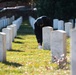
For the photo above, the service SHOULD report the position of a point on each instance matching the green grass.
(25, 59)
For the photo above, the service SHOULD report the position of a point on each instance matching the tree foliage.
(61, 9)
(16, 0)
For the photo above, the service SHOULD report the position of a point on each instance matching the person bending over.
(39, 23)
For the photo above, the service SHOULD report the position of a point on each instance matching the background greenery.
(61, 9)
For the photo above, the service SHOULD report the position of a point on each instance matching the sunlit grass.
(25, 59)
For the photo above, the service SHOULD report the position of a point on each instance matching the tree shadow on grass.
(18, 42)
(12, 64)
(12, 50)
(68, 51)
(18, 37)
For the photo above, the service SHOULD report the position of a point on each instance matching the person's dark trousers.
(38, 33)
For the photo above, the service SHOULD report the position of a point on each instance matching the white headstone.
(2, 47)
(13, 18)
(0, 24)
(68, 27)
(72, 21)
(73, 51)
(12, 28)
(46, 31)
(58, 43)
(60, 25)
(8, 32)
(18, 22)
(15, 29)
(32, 21)
(55, 23)
(8, 21)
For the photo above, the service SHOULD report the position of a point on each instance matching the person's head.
(47, 21)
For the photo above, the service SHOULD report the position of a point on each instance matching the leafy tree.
(16, 0)
(61, 9)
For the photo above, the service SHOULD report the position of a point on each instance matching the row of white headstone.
(6, 21)
(58, 24)
(61, 25)
(7, 36)
(32, 21)
(55, 40)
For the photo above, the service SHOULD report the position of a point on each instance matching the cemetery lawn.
(25, 59)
